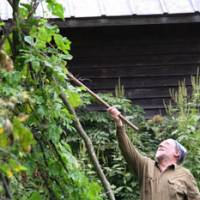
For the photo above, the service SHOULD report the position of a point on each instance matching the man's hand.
(114, 113)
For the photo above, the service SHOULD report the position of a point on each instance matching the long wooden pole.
(75, 80)
(90, 149)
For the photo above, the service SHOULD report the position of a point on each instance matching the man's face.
(167, 150)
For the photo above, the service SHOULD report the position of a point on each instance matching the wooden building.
(149, 44)
(148, 59)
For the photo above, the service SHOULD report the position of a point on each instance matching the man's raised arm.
(135, 160)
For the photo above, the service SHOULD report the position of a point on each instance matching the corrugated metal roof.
(98, 8)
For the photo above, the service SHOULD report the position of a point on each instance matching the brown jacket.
(175, 183)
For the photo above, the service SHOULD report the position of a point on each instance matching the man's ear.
(177, 154)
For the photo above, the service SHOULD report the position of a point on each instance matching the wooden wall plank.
(137, 82)
(140, 71)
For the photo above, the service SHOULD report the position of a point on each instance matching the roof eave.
(104, 21)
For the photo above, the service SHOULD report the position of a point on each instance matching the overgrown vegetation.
(37, 137)
(35, 160)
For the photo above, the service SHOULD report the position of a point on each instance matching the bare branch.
(34, 5)
(6, 187)
(90, 149)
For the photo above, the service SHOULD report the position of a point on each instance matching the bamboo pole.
(75, 80)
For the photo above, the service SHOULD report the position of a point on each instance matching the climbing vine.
(35, 160)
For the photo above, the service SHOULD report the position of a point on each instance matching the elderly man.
(163, 179)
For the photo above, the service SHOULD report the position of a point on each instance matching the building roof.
(100, 9)
(97, 8)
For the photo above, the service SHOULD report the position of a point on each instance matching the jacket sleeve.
(135, 160)
(192, 189)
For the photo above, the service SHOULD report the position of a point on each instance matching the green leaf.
(6, 46)
(4, 142)
(22, 134)
(74, 98)
(35, 196)
(2, 23)
(29, 40)
(24, 9)
(16, 166)
(55, 8)
(54, 132)
(62, 43)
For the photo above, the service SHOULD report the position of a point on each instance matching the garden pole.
(75, 80)
(90, 149)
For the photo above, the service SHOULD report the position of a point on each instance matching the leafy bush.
(184, 122)
(36, 163)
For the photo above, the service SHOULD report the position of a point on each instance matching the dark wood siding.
(148, 59)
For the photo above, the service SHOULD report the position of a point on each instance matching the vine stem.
(90, 149)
